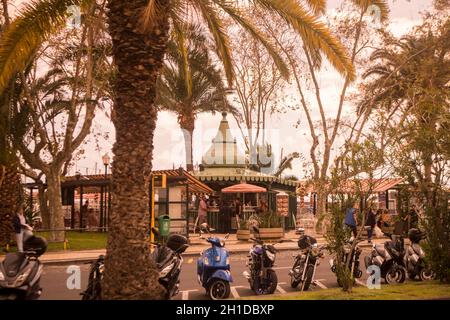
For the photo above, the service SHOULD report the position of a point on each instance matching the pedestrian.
(21, 229)
(237, 210)
(225, 217)
(351, 220)
(371, 221)
(202, 210)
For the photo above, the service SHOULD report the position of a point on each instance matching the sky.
(168, 141)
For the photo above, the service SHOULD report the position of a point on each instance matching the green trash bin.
(164, 225)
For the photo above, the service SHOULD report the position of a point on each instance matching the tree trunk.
(130, 272)
(187, 124)
(10, 200)
(55, 210)
(43, 207)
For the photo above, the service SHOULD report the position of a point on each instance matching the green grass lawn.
(76, 241)
(407, 291)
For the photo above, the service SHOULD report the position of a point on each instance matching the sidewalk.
(197, 245)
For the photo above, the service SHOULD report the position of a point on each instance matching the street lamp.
(106, 159)
(78, 177)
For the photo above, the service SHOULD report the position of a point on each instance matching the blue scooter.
(213, 269)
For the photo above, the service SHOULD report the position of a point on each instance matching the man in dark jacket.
(371, 221)
(20, 227)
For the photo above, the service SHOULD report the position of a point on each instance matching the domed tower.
(223, 152)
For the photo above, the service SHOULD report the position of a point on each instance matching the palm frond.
(218, 31)
(239, 16)
(315, 34)
(317, 6)
(184, 64)
(35, 24)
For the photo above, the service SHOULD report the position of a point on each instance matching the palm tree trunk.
(9, 199)
(187, 127)
(130, 272)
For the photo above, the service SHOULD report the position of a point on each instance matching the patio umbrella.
(244, 188)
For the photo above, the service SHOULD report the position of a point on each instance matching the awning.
(244, 188)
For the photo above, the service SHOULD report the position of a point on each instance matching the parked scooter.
(213, 269)
(415, 257)
(389, 257)
(354, 264)
(261, 259)
(306, 262)
(168, 262)
(20, 272)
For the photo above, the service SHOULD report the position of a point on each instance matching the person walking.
(237, 211)
(351, 220)
(371, 222)
(20, 228)
(225, 217)
(202, 210)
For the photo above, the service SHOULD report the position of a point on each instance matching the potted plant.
(271, 226)
(243, 232)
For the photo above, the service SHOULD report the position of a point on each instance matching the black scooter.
(415, 257)
(20, 272)
(354, 263)
(261, 259)
(389, 257)
(168, 262)
(306, 262)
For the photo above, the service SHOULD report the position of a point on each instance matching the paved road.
(55, 277)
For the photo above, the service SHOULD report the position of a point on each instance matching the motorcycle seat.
(163, 255)
(14, 262)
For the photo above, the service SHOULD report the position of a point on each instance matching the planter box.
(271, 233)
(243, 235)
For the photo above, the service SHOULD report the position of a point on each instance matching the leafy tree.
(408, 95)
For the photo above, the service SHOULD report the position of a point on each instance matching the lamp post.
(78, 177)
(106, 160)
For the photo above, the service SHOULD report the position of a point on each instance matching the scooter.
(389, 258)
(306, 262)
(354, 263)
(20, 272)
(213, 269)
(168, 262)
(261, 259)
(415, 257)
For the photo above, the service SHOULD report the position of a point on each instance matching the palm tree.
(140, 30)
(188, 90)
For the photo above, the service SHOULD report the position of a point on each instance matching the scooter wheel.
(294, 282)
(218, 289)
(395, 275)
(426, 274)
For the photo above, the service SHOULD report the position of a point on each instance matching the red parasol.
(244, 188)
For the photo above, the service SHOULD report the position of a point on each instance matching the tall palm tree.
(139, 30)
(192, 88)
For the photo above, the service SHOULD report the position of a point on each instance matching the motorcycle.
(20, 272)
(415, 257)
(389, 257)
(354, 262)
(261, 259)
(168, 262)
(306, 262)
(213, 269)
